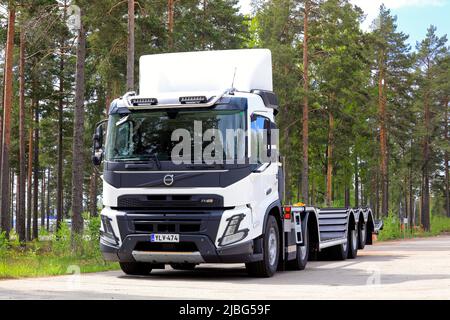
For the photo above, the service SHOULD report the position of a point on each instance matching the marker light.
(287, 213)
(193, 100)
(144, 101)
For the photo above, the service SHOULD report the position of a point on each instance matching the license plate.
(164, 237)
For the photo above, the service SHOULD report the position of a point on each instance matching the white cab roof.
(171, 73)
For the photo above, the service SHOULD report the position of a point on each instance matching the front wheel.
(136, 268)
(268, 266)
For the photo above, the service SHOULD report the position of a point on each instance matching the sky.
(413, 16)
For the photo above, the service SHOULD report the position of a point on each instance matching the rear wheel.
(353, 243)
(362, 235)
(183, 266)
(301, 259)
(340, 252)
(136, 268)
(268, 266)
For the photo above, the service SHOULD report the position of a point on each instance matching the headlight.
(232, 233)
(108, 229)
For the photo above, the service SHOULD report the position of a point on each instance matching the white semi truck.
(192, 174)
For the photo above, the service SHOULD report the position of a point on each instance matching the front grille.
(182, 226)
(164, 247)
(169, 201)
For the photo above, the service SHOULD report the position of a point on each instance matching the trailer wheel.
(353, 243)
(301, 259)
(183, 266)
(268, 266)
(362, 235)
(136, 268)
(339, 252)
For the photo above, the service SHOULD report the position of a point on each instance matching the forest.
(363, 120)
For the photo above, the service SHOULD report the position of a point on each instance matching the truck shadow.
(364, 271)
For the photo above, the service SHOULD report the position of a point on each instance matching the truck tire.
(136, 268)
(362, 236)
(301, 259)
(340, 252)
(183, 266)
(353, 243)
(271, 244)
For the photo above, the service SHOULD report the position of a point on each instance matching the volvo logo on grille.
(168, 179)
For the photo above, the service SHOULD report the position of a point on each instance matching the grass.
(393, 230)
(53, 257)
(48, 265)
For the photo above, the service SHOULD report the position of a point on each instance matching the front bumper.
(195, 246)
(206, 253)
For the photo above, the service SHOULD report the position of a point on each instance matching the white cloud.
(371, 7)
(246, 7)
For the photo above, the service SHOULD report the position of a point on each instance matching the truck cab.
(191, 176)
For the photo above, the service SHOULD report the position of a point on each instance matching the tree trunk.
(47, 210)
(411, 198)
(78, 133)
(6, 132)
(130, 49)
(425, 212)
(43, 188)
(22, 157)
(59, 170)
(446, 158)
(17, 205)
(305, 165)
(347, 196)
(329, 194)
(11, 199)
(383, 138)
(93, 195)
(29, 180)
(170, 14)
(35, 166)
(377, 194)
(356, 181)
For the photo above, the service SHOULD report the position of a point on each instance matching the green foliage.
(62, 244)
(392, 228)
(55, 255)
(4, 244)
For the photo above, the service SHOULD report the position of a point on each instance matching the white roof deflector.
(243, 69)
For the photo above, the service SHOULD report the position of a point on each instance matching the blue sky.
(413, 16)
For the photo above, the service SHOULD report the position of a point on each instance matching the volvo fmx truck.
(192, 174)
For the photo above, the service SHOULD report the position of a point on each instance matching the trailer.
(192, 173)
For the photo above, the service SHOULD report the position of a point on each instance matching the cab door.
(265, 174)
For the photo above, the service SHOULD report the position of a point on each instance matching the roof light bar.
(193, 100)
(144, 101)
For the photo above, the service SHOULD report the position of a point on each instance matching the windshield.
(141, 136)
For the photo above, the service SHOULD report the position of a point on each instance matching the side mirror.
(97, 144)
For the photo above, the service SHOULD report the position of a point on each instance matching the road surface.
(411, 269)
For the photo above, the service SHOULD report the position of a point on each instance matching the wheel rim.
(273, 246)
(354, 239)
(363, 233)
(304, 249)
